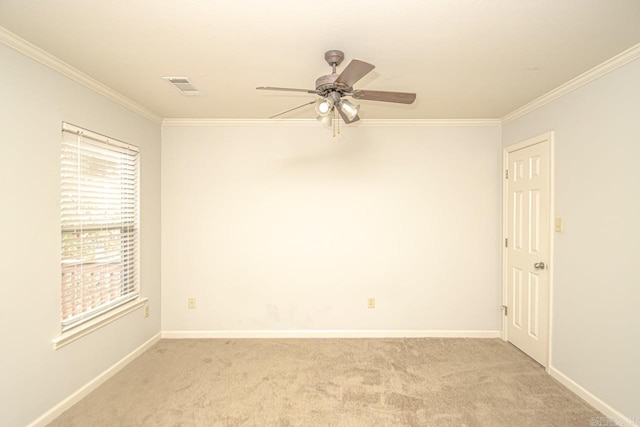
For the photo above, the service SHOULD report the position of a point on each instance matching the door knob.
(539, 265)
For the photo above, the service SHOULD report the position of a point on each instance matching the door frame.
(549, 138)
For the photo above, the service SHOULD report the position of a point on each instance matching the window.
(99, 219)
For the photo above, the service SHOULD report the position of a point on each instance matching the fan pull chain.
(336, 123)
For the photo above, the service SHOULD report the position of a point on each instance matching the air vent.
(184, 86)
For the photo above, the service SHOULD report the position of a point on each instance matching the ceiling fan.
(332, 88)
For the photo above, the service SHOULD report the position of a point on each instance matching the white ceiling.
(464, 58)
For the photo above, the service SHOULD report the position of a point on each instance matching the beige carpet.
(331, 382)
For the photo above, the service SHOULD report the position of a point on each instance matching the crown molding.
(238, 122)
(596, 72)
(176, 122)
(45, 58)
(430, 122)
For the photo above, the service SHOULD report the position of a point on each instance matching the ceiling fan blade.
(287, 89)
(380, 95)
(294, 108)
(355, 71)
(346, 119)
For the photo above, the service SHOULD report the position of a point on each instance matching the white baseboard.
(331, 333)
(75, 397)
(593, 400)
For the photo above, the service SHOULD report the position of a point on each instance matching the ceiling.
(466, 59)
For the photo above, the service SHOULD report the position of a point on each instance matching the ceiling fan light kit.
(333, 87)
(324, 106)
(348, 109)
(325, 120)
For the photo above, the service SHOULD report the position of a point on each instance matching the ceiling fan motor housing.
(326, 83)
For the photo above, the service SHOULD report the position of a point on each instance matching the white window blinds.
(99, 218)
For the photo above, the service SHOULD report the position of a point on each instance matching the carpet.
(331, 382)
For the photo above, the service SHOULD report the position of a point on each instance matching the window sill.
(94, 324)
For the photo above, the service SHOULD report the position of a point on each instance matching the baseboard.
(331, 333)
(590, 398)
(75, 397)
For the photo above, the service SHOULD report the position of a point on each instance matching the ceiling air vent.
(184, 86)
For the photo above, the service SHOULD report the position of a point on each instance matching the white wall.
(596, 320)
(34, 102)
(286, 228)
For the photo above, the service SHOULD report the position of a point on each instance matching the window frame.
(98, 259)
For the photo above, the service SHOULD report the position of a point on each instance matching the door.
(528, 247)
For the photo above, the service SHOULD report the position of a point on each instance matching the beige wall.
(596, 320)
(286, 228)
(34, 102)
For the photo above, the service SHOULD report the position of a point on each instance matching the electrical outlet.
(371, 303)
(192, 303)
(146, 311)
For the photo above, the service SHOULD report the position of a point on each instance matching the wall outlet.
(146, 311)
(371, 303)
(192, 303)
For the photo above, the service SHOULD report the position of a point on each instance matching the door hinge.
(506, 242)
(505, 309)
(506, 174)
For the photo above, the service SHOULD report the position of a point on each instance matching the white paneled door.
(528, 247)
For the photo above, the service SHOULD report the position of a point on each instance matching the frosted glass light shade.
(324, 106)
(348, 109)
(325, 120)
